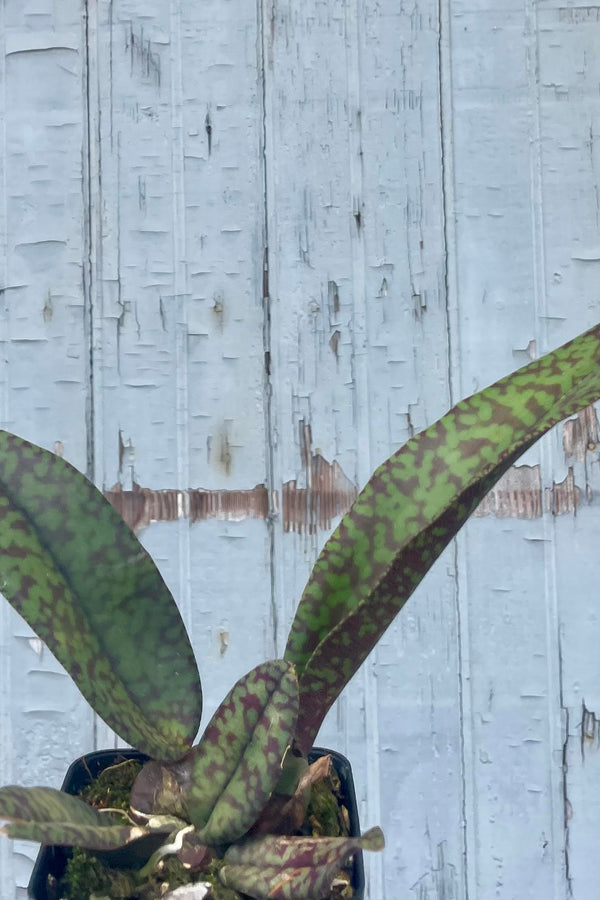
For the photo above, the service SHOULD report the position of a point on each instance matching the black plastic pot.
(51, 861)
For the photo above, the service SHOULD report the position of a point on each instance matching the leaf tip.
(373, 839)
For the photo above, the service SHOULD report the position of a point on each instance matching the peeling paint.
(210, 132)
(326, 493)
(576, 15)
(581, 434)
(208, 129)
(140, 506)
(142, 55)
(333, 297)
(518, 494)
(329, 494)
(223, 642)
(440, 883)
(334, 342)
(590, 730)
(304, 509)
(48, 309)
(564, 496)
(225, 456)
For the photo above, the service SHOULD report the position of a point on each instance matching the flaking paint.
(464, 137)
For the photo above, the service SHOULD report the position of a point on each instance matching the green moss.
(86, 876)
(326, 816)
(111, 789)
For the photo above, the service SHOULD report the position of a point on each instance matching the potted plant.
(235, 800)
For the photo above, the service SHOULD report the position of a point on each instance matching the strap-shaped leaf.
(292, 868)
(236, 765)
(412, 507)
(53, 817)
(78, 575)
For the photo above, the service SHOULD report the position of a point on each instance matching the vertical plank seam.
(7, 850)
(180, 308)
(7, 853)
(468, 809)
(558, 713)
(268, 361)
(88, 308)
(87, 176)
(361, 381)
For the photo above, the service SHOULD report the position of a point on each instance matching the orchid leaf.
(291, 868)
(78, 575)
(222, 785)
(284, 813)
(53, 817)
(238, 760)
(412, 507)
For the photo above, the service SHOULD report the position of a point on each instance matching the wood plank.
(415, 668)
(44, 371)
(179, 357)
(509, 190)
(297, 235)
(567, 105)
(357, 282)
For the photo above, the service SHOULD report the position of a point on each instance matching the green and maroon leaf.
(223, 783)
(238, 760)
(292, 868)
(79, 576)
(412, 507)
(52, 817)
(284, 813)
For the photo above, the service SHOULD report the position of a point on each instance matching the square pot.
(51, 861)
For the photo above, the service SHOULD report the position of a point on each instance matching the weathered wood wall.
(249, 249)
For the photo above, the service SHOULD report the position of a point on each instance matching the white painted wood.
(247, 241)
(44, 369)
(178, 309)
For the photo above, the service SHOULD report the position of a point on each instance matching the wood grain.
(249, 250)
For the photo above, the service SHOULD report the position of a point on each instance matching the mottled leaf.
(225, 781)
(284, 813)
(412, 507)
(53, 817)
(78, 575)
(292, 868)
(238, 760)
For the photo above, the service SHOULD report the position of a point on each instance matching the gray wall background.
(249, 248)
